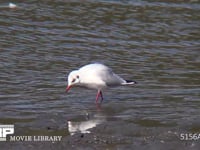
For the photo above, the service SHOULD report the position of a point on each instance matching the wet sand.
(111, 134)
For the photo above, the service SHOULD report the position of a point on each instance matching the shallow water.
(155, 43)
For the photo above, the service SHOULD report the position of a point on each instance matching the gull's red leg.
(99, 93)
(101, 96)
(97, 97)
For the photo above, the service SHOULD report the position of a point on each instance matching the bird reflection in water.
(84, 126)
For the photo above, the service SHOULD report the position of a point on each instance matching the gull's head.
(73, 79)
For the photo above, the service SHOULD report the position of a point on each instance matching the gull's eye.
(73, 80)
(77, 76)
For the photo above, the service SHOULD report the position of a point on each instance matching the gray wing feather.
(110, 78)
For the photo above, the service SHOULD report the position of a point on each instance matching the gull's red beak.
(68, 88)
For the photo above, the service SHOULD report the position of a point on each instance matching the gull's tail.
(129, 82)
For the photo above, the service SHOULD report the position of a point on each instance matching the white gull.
(96, 76)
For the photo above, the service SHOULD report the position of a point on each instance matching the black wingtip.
(131, 81)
